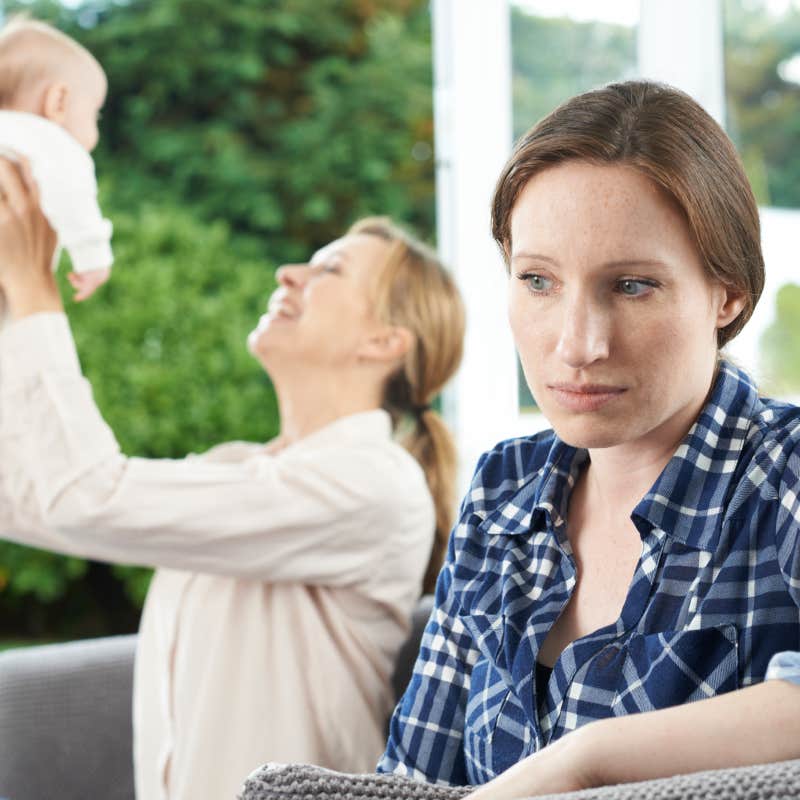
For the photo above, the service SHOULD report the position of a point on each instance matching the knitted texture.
(300, 782)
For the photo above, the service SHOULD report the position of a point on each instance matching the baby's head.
(46, 73)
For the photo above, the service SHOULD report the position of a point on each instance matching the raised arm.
(27, 243)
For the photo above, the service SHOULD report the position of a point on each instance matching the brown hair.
(667, 136)
(31, 52)
(416, 292)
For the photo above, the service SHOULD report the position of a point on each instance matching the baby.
(51, 92)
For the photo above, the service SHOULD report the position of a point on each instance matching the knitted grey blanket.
(300, 782)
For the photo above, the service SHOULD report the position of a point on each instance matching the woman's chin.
(591, 432)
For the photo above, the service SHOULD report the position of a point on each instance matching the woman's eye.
(320, 269)
(634, 288)
(537, 283)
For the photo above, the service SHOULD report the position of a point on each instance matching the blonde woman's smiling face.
(611, 308)
(323, 310)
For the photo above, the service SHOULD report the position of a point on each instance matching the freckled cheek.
(534, 327)
(661, 353)
(535, 335)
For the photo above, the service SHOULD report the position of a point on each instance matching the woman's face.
(611, 309)
(322, 312)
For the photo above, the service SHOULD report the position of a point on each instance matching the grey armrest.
(65, 721)
(299, 782)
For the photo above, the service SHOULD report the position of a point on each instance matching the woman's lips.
(280, 311)
(584, 397)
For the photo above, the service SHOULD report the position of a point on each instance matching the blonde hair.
(416, 292)
(31, 52)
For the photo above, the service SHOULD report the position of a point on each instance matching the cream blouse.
(284, 585)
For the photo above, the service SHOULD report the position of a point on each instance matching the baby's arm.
(86, 283)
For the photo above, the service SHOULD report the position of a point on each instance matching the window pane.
(762, 72)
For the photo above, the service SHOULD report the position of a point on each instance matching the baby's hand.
(86, 283)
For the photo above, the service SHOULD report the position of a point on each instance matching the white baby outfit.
(64, 173)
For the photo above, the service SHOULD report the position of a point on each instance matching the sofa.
(65, 734)
(65, 716)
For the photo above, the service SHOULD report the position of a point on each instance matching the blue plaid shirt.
(715, 594)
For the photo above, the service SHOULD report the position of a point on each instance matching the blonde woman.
(286, 572)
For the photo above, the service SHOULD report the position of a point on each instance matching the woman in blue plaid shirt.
(643, 554)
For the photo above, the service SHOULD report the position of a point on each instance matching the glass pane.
(762, 77)
(560, 48)
(762, 72)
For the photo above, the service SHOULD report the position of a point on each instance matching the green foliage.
(163, 343)
(286, 120)
(780, 343)
(39, 573)
(236, 136)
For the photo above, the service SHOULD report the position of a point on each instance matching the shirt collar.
(689, 494)
(693, 490)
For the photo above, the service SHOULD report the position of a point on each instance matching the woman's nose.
(585, 334)
(292, 276)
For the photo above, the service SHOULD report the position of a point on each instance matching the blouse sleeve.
(316, 516)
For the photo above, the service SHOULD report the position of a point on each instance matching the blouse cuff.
(35, 344)
(784, 666)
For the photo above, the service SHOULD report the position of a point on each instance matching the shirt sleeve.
(316, 515)
(427, 728)
(787, 526)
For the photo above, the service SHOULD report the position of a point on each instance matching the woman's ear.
(388, 344)
(55, 101)
(731, 304)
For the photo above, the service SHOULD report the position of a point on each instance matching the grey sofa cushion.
(299, 782)
(65, 721)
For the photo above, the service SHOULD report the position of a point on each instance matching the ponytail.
(418, 293)
(431, 443)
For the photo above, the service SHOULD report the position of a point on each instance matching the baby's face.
(87, 93)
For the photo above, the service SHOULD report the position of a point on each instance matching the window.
(762, 88)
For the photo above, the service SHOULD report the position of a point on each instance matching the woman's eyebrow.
(634, 262)
(613, 264)
(533, 257)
